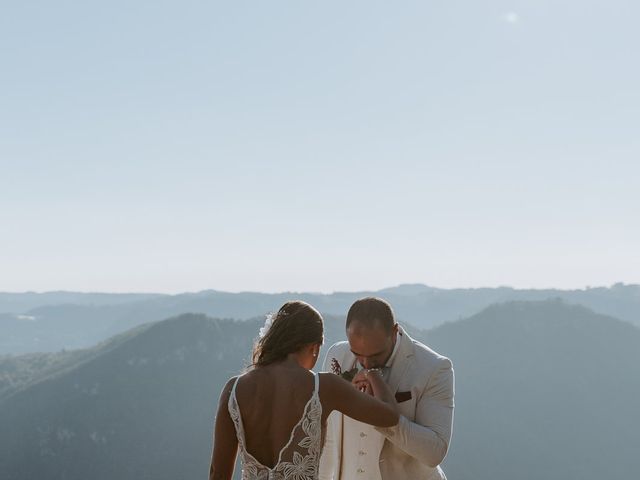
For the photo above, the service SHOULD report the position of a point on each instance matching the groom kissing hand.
(423, 384)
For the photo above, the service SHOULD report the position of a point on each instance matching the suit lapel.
(348, 360)
(401, 361)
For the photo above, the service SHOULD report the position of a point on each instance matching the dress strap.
(234, 411)
(233, 407)
(233, 389)
(316, 376)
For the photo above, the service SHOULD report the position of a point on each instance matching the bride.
(275, 414)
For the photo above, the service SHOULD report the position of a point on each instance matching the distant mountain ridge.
(25, 301)
(57, 324)
(543, 390)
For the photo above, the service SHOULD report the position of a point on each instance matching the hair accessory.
(267, 324)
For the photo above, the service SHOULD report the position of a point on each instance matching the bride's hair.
(295, 325)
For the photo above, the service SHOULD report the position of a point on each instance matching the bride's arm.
(225, 441)
(338, 394)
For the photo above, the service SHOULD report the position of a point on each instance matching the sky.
(164, 146)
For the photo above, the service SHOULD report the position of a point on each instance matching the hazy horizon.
(330, 292)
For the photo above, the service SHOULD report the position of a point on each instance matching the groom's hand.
(361, 382)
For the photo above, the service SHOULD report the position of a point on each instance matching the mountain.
(25, 301)
(20, 371)
(543, 390)
(140, 406)
(69, 320)
(143, 409)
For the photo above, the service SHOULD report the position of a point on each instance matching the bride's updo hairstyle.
(295, 325)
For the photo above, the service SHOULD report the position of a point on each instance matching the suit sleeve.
(427, 438)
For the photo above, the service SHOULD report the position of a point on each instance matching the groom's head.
(371, 331)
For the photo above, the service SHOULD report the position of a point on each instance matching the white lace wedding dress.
(299, 458)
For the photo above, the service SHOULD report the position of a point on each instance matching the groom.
(422, 381)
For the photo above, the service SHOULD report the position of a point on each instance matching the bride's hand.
(361, 382)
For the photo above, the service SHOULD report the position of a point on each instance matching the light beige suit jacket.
(415, 447)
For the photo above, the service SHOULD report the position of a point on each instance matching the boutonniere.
(337, 369)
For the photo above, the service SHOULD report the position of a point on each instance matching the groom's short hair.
(371, 312)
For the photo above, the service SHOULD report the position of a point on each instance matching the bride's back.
(271, 401)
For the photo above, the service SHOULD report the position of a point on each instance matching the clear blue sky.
(318, 146)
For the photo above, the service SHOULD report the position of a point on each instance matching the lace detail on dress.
(299, 458)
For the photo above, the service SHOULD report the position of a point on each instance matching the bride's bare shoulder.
(226, 390)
